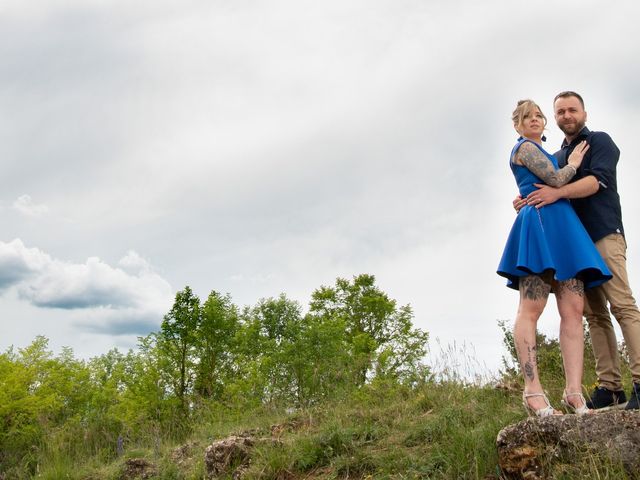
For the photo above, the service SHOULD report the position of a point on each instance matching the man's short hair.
(569, 93)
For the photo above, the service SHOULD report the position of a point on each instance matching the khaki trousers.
(617, 293)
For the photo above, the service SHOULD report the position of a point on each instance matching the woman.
(548, 250)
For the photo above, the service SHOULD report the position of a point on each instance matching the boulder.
(138, 468)
(530, 448)
(230, 452)
(233, 454)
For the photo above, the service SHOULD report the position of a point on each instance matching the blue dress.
(549, 238)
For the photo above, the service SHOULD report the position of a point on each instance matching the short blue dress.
(550, 238)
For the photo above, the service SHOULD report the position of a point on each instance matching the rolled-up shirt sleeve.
(604, 158)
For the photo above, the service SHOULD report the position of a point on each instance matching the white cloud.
(110, 297)
(18, 263)
(134, 263)
(24, 204)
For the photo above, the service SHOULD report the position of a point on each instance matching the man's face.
(570, 115)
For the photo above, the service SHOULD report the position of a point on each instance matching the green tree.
(267, 331)
(20, 431)
(178, 344)
(289, 358)
(318, 359)
(39, 394)
(219, 324)
(381, 336)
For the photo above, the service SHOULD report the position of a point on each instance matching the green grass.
(443, 429)
(440, 430)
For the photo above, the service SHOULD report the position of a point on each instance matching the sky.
(264, 147)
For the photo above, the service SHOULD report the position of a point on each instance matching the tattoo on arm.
(531, 157)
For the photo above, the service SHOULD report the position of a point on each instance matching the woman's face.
(532, 124)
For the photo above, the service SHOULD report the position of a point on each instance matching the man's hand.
(545, 195)
(518, 203)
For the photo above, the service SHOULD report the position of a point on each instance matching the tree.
(178, 343)
(289, 358)
(217, 330)
(39, 396)
(379, 334)
(318, 359)
(268, 329)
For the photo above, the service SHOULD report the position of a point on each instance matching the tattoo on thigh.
(573, 285)
(534, 288)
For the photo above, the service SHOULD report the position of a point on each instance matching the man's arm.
(546, 195)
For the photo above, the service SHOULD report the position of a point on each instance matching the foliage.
(381, 337)
(217, 329)
(178, 341)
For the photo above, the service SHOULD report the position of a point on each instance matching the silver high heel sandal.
(581, 410)
(542, 412)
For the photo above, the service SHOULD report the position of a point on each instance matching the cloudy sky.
(256, 147)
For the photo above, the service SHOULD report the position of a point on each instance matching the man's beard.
(571, 128)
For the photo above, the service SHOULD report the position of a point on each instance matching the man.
(593, 194)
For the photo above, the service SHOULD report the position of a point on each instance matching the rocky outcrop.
(233, 454)
(530, 448)
(138, 468)
(228, 453)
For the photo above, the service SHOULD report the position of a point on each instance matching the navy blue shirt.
(600, 213)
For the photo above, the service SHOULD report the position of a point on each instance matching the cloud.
(18, 263)
(24, 204)
(130, 299)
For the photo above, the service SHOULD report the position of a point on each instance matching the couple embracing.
(568, 239)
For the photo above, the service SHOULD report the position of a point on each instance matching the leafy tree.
(267, 331)
(318, 360)
(379, 333)
(290, 358)
(112, 377)
(39, 393)
(219, 324)
(178, 344)
(20, 431)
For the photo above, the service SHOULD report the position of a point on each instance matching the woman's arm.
(531, 157)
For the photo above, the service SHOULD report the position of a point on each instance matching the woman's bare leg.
(534, 293)
(570, 299)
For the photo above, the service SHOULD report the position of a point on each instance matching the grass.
(443, 429)
(440, 430)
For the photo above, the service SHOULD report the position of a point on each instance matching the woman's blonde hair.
(523, 109)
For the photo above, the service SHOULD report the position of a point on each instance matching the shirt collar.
(584, 133)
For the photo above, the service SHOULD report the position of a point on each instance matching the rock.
(233, 452)
(230, 452)
(138, 468)
(529, 448)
